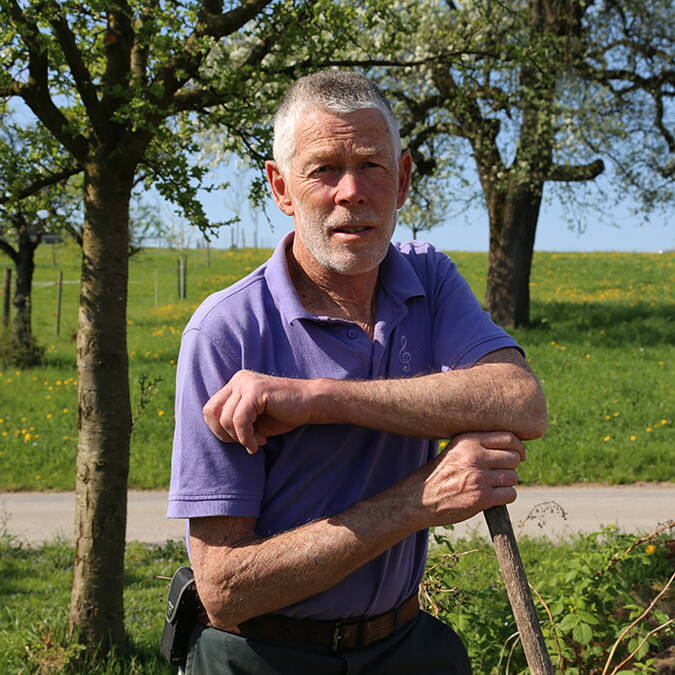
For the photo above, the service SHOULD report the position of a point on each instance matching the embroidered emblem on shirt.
(404, 356)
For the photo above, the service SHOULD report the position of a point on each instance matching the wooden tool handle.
(513, 573)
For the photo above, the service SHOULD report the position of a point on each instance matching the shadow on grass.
(602, 323)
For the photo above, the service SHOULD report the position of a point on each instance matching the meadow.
(588, 591)
(601, 341)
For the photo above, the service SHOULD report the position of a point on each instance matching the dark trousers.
(423, 646)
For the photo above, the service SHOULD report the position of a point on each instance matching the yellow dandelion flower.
(649, 429)
(65, 410)
(24, 419)
(160, 412)
(607, 438)
(587, 356)
(616, 414)
(5, 433)
(66, 438)
(650, 549)
(664, 421)
(2, 420)
(48, 396)
(58, 383)
(27, 437)
(50, 415)
(632, 437)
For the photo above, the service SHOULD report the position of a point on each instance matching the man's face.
(343, 188)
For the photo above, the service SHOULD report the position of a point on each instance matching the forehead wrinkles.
(323, 134)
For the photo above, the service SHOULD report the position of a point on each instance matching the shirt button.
(352, 332)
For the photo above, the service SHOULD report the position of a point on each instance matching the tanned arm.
(240, 575)
(498, 392)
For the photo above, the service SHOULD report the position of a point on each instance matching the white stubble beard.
(314, 232)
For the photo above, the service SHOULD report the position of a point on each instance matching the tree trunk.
(25, 266)
(97, 611)
(513, 222)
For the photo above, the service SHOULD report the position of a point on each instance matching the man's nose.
(350, 189)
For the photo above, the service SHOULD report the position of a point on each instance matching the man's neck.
(327, 293)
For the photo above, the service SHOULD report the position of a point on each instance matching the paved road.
(38, 516)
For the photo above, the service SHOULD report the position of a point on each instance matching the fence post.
(59, 295)
(8, 289)
(182, 277)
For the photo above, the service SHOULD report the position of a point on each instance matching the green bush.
(592, 594)
(16, 354)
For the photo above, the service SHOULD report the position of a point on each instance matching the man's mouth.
(351, 230)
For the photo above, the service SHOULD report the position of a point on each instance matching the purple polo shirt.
(427, 320)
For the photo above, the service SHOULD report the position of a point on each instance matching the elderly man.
(344, 358)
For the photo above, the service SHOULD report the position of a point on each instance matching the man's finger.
(503, 478)
(224, 422)
(243, 420)
(500, 459)
(503, 495)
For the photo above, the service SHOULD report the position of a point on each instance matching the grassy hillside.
(601, 341)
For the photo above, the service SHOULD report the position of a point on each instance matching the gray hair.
(337, 91)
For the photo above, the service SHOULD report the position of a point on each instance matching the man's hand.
(253, 406)
(476, 471)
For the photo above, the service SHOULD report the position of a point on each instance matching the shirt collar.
(396, 277)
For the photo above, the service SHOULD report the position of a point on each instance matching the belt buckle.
(337, 635)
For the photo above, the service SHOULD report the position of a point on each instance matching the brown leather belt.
(337, 635)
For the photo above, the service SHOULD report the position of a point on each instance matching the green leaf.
(582, 632)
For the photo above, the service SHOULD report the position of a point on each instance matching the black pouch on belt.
(181, 616)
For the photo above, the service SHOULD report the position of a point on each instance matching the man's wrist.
(324, 405)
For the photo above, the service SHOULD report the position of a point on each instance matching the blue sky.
(615, 228)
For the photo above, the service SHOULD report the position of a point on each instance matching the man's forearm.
(499, 392)
(486, 397)
(263, 575)
(240, 575)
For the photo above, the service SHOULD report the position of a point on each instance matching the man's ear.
(279, 188)
(404, 172)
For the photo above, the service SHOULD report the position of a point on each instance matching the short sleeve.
(208, 477)
(463, 331)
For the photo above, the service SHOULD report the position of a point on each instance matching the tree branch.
(568, 173)
(220, 25)
(211, 24)
(81, 75)
(119, 45)
(43, 182)
(36, 91)
(6, 247)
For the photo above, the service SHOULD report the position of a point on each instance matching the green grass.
(601, 340)
(463, 584)
(35, 587)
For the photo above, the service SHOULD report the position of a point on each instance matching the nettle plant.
(604, 600)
